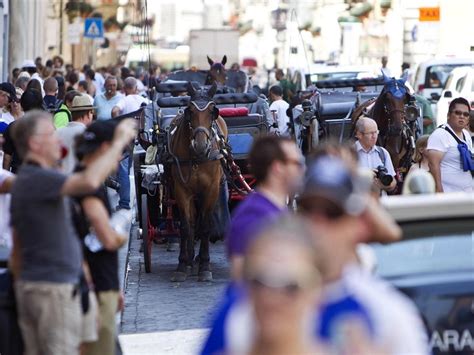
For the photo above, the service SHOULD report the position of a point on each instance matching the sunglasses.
(461, 113)
(286, 285)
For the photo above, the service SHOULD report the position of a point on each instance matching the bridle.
(210, 132)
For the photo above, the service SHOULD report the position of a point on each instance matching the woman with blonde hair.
(419, 157)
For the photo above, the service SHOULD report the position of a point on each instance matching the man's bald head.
(50, 86)
(365, 123)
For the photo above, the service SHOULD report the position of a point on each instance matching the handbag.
(467, 158)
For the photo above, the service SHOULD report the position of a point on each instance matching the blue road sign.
(93, 27)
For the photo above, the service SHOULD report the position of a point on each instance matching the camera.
(382, 174)
(112, 183)
(307, 115)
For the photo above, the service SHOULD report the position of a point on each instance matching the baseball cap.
(329, 178)
(97, 133)
(10, 90)
(28, 63)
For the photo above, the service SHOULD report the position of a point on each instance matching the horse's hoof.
(179, 276)
(189, 270)
(172, 247)
(205, 276)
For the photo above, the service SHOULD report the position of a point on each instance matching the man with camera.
(372, 156)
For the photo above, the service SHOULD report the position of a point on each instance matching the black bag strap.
(455, 136)
(381, 154)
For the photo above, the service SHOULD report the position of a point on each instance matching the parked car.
(460, 83)
(434, 264)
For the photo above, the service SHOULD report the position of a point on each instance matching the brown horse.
(388, 110)
(195, 138)
(217, 73)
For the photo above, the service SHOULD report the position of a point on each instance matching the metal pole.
(61, 27)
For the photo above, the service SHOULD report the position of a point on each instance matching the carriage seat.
(242, 130)
(329, 111)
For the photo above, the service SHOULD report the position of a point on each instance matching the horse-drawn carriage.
(197, 138)
(196, 142)
(327, 112)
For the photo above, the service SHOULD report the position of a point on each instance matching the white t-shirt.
(131, 103)
(68, 135)
(453, 178)
(5, 231)
(280, 106)
(398, 326)
(6, 117)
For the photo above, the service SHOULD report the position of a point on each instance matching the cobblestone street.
(154, 304)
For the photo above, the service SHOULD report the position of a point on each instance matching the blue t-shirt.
(251, 214)
(104, 106)
(331, 314)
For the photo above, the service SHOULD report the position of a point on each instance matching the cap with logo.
(330, 178)
(97, 133)
(10, 90)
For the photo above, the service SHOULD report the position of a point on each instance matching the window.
(460, 83)
(436, 75)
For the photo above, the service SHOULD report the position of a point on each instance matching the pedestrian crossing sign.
(93, 27)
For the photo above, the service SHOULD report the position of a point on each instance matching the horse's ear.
(210, 61)
(224, 60)
(386, 79)
(212, 91)
(190, 89)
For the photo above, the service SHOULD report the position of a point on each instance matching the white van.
(431, 76)
(460, 83)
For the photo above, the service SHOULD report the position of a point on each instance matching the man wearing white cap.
(30, 67)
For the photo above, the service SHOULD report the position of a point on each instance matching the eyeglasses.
(374, 133)
(465, 114)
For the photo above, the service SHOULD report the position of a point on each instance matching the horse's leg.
(187, 213)
(209, 202)
(204, 273)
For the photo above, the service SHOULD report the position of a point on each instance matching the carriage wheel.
(314, 134)
(147, 233)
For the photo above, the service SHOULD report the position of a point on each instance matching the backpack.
(69, 116)
(52, 108)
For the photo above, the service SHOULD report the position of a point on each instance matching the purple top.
(249, 216)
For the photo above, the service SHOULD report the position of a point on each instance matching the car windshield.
(437, 75)
(433, 248)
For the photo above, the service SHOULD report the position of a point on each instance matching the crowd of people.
(60, 140)
(301, 282)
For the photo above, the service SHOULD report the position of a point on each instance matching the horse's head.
(395, 95)
(217, 73)
(200, 115)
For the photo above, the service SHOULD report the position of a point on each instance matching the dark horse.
(217, 73)
(195, 138)
(388, 110)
